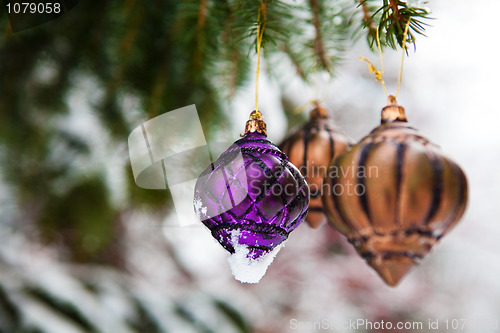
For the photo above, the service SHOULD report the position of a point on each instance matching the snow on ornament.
(394, 195)
(311, 148)
(251, 199)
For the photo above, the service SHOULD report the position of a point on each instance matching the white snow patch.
(201, 211)
(245, 269)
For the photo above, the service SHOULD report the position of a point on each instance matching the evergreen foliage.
(72, 89)
(162, 55)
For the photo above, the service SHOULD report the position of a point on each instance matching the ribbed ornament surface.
(394, 195)
(252, 196)
(311, 148)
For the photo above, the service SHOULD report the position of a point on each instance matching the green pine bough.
(390, 20)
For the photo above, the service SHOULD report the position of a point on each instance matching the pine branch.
(229, 64)
(274, 15)
(321, 31)
(202, 14)
(367, 19)
(319, 47)
(295, 61)
(392, 17)
(231, 56)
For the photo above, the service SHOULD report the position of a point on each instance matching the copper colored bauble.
(311, 149)
(394, 195)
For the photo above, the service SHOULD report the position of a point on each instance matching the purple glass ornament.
(251, 198)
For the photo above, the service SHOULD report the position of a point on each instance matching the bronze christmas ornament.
(311, 148)
(394, 195)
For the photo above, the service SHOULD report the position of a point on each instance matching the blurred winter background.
(83, 249)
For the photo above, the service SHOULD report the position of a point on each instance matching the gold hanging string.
(261, 24)
(379, 74)
(400, 76)
(319, 85)
(373, 69)
(380, 52)
(302, 107)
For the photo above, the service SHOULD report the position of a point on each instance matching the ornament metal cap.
(318, 112)
(393, 112)
(255, 124)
